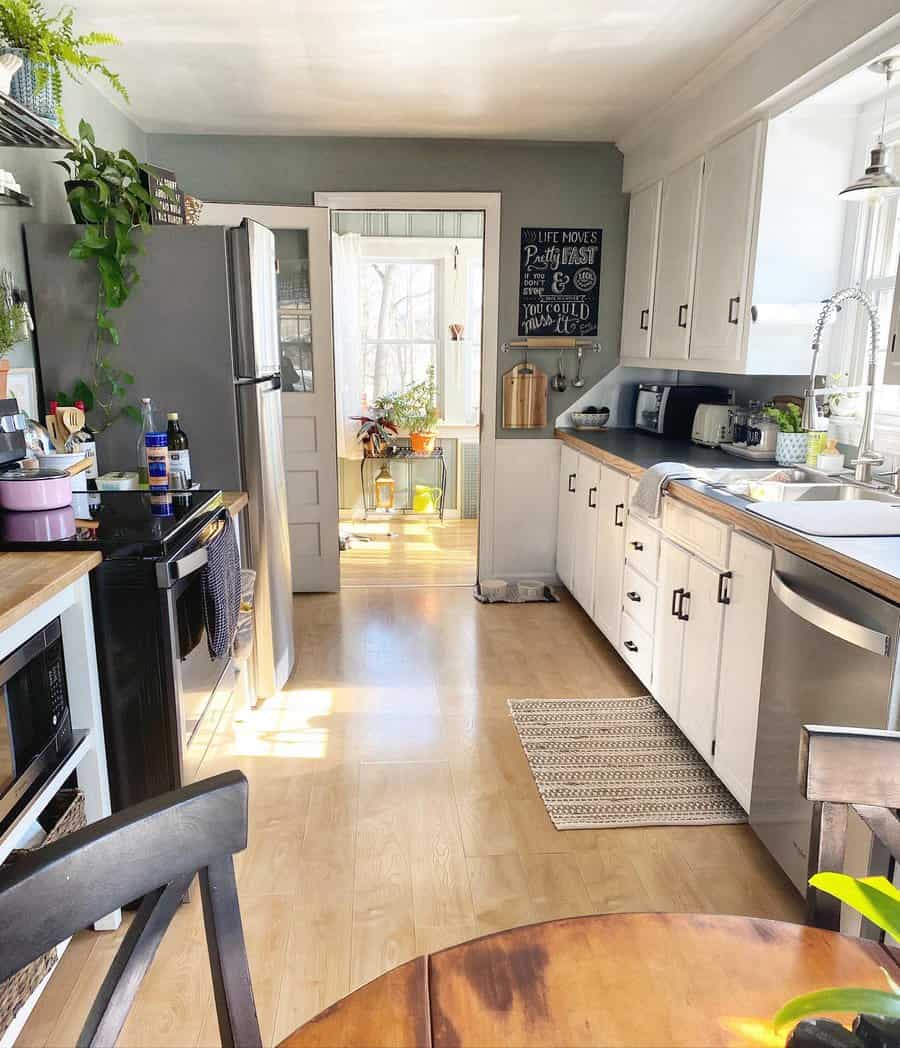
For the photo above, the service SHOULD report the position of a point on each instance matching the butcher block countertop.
(30, 579)
(873, 563)
(235, 501)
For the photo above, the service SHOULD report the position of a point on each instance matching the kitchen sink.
(794, 484)
(843, 493)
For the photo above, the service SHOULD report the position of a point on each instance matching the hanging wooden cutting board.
(524, 398)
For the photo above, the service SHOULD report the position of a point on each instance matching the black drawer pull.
(572, 477)
(639, 546)
(632, 596)
(682, 316)
(591, 502)
(685, 616)
(619, 523)
(630, 645)
(645, 319)
(677, 597)
(732, 304)
(724, 594)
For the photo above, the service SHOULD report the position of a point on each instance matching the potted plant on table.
(47, 47)
(374, 432)
(878, 1021)
(414, 410)
(792, 442)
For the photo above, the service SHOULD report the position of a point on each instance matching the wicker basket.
(63, 815)
(24, 89)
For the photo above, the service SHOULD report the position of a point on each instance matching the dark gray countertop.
(878, 554)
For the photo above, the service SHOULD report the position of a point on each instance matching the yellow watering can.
(426, 499)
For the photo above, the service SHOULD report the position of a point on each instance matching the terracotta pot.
(4, 379)
(422, 443)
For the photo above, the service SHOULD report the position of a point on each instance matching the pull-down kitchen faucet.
(866, 456)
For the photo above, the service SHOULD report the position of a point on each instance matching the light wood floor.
(410, 552)
(393, 812)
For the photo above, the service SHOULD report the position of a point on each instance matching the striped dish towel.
(221, 581)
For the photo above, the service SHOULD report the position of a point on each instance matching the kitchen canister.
(790, 448)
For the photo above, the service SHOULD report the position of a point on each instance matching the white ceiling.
(533, 69)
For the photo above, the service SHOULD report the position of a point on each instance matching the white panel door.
(565, 527)
(610, 560)
(671, 586)
(586, 533)
(307, 375)
(674, 287)
(727, 220)
(743, 640)
(700, 659)
(640, 270)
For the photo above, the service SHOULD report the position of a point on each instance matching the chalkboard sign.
(559, 281)
(167, 207)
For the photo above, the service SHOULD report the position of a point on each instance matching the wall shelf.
(20, 127)
(11, 198)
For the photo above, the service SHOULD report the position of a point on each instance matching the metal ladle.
(559, 382)
(578, 381)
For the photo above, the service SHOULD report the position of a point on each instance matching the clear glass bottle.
(150, 423)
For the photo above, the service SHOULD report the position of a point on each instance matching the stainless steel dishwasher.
(830, 658)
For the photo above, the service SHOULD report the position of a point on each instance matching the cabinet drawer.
(636, 648)
(639, 599)
(641, 547)
(697, 532)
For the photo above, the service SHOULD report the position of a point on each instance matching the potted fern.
(878, 1021)
(48, 46)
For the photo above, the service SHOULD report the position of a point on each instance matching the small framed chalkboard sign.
(559, 281)
(167, 208)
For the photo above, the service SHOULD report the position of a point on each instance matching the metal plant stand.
(405, 455)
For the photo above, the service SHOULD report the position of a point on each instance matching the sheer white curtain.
(348, 363)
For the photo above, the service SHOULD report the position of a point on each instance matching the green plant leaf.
(85, 131)
(874, 897)
(132, 412)
(84, 392)
(854, 1000)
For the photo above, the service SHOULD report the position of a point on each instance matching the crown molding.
(771, 23)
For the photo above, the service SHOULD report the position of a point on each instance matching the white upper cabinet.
(675, 263)
(640, 269)
(727, 221)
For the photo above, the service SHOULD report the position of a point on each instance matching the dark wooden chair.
(150, 852)
(840, 769)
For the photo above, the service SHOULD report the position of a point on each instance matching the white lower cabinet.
(586, 514)
(743, 640)
(610, 559)
(636, 648)
(668, 634)
(565, 525)
(703, 611)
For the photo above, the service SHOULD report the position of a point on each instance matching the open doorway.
(408, 293)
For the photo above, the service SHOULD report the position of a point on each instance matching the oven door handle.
(170, 571)
(825, 619)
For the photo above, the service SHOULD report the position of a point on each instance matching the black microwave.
(35, 721)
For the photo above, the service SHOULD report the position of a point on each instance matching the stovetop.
(117, 523)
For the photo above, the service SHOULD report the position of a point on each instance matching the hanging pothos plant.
(106, 194)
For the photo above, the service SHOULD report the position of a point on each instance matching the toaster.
(713, 425)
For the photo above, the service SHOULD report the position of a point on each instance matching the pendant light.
(879, 180)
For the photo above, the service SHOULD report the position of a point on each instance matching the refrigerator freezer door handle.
(824, 619)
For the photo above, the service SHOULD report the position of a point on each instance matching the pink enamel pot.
(35, 489)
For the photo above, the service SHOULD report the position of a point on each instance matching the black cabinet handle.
(683, 615)
(619, 523)
(639, 546)
(591, 493)
(732, 306)
(682, 315)
(645, 319)
(632, 596)
(724, 594)
(572, 477)
(630, 645)
(677, 597)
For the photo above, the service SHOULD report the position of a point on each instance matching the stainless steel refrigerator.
(200, 336)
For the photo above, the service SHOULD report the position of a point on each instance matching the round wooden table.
(618, 979)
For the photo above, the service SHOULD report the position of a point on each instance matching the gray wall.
(43, 181)
(542, 184)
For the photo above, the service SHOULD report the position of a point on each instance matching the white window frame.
(438, 342)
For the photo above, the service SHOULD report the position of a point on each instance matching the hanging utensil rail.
(549, 342)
